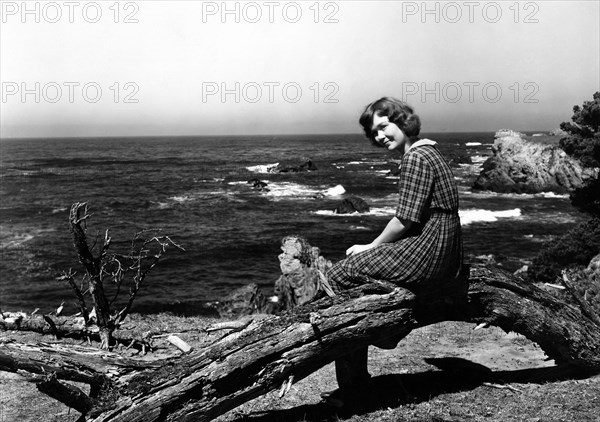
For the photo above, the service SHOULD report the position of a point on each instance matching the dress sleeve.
(416, 188)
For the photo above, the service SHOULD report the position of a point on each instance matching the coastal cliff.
(522, 165)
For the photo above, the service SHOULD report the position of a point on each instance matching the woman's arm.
(394, 230)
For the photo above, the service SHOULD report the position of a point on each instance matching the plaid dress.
(431, 251)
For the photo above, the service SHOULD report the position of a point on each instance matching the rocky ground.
(444, 372)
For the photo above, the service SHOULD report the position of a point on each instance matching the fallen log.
(65, 326)
(272, 352)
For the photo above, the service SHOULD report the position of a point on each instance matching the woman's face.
(387, 134)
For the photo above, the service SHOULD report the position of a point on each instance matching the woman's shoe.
(332, 398)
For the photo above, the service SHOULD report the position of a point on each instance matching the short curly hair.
(397, 111)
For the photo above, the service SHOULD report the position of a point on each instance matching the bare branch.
(70, 278)
(118, 276)
(74, 215)
(106, 244)
(52, 326)
(141, 272)
(95, 241)
(65, 393)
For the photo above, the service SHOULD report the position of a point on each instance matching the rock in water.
(258, 184)
(521, 166)
(462, 159)
(306, 165)
(352, 205)
(302, 268)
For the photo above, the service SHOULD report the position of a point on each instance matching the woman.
(419, 247)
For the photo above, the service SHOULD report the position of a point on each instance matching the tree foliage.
(586, 119)
(583, 143)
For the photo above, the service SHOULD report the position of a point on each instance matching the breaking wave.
(296, 190)
(375, 211)
(262, 168)
(470, 216)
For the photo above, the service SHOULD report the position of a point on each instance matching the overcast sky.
(204, 68)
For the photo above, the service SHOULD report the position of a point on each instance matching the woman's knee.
(343, 276)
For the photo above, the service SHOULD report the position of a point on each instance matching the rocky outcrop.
(302, 272)
(559, 132)
(522, 166)
(246, 300)
(352, 205)
(258, 185)
(460, 159)
(507, 132)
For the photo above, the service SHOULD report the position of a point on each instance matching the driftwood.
(272, 352)
(61, 327)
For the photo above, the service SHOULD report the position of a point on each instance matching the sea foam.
(478, 159)
(16, 241)
(467, 216)
(470, 216)
(262, 168)
(296, 190)
(334, 191)
(181, 198)
(375, 211)
(491, 194)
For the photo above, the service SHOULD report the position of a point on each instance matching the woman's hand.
(358, 248)
(394, 230)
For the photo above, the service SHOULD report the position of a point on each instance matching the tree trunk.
(273, 352)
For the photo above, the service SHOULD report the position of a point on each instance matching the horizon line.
(7, 138)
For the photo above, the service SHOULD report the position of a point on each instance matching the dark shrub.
(575, 248)
(586, 150)
(587, 197)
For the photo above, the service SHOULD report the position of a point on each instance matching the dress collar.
(421, 142)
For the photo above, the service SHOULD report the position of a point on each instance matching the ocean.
(195, 190)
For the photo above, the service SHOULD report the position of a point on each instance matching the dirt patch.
(445, 372)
